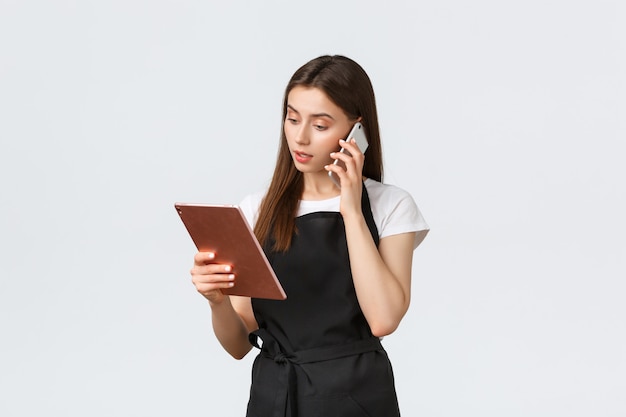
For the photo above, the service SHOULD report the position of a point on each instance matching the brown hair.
(348, 86)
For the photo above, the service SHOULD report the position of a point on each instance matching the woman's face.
(313, 127)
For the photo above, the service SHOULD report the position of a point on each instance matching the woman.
(342, 254)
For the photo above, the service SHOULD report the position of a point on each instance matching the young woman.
(342, 254)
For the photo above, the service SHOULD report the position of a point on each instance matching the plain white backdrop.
(505, 121)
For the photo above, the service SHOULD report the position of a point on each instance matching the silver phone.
(358, 133)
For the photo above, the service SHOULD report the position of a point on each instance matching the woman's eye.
(319, 127)
(292, 121)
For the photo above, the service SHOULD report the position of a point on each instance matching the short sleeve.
(395, 211)
(250, 207)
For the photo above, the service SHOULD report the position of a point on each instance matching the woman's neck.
(319, 186)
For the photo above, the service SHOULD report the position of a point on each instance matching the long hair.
(348, 86)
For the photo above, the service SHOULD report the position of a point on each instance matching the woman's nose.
(302, 137)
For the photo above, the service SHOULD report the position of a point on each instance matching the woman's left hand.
(351, 178)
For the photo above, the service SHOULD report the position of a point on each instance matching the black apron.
(318, 356)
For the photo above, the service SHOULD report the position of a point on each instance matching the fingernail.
(211, 255)
(231, 276)
(227, 268)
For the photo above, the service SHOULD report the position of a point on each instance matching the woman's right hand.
(210, 278)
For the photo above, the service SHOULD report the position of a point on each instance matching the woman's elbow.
(239, 355)
(238, 352)
(384, 327)
(382, 331)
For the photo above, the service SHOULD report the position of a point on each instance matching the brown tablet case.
(224, 230)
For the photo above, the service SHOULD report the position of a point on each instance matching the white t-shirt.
(393, 209)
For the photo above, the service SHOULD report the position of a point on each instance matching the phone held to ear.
(358, 134)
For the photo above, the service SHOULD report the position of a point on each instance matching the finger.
(209, 289)
(219, 281)
(351, 146)
(212, 277)
(335, 168)
(209, 282)
(350, 163)
(201, 258)
(343, 156)
(209, 269)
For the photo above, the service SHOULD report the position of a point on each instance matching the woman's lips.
(302, 157)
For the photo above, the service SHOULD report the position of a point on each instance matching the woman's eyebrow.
(290, 107)
(323, 115)
(313, 115)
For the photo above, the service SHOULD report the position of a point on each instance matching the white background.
(504, 119)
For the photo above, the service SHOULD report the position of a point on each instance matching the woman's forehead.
(311, 101)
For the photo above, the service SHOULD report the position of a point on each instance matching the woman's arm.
(382, 276)
(232, 316)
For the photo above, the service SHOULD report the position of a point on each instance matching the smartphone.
(358, 133)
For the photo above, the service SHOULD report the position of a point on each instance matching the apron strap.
(366, 207)
(286, 397)
(328, 353)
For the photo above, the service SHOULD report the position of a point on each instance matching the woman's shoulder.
(394, 209)
(376, 189)
(387, 195)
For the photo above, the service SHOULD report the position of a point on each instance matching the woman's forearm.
(229, 328)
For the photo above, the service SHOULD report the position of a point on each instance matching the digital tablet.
(224, 230)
